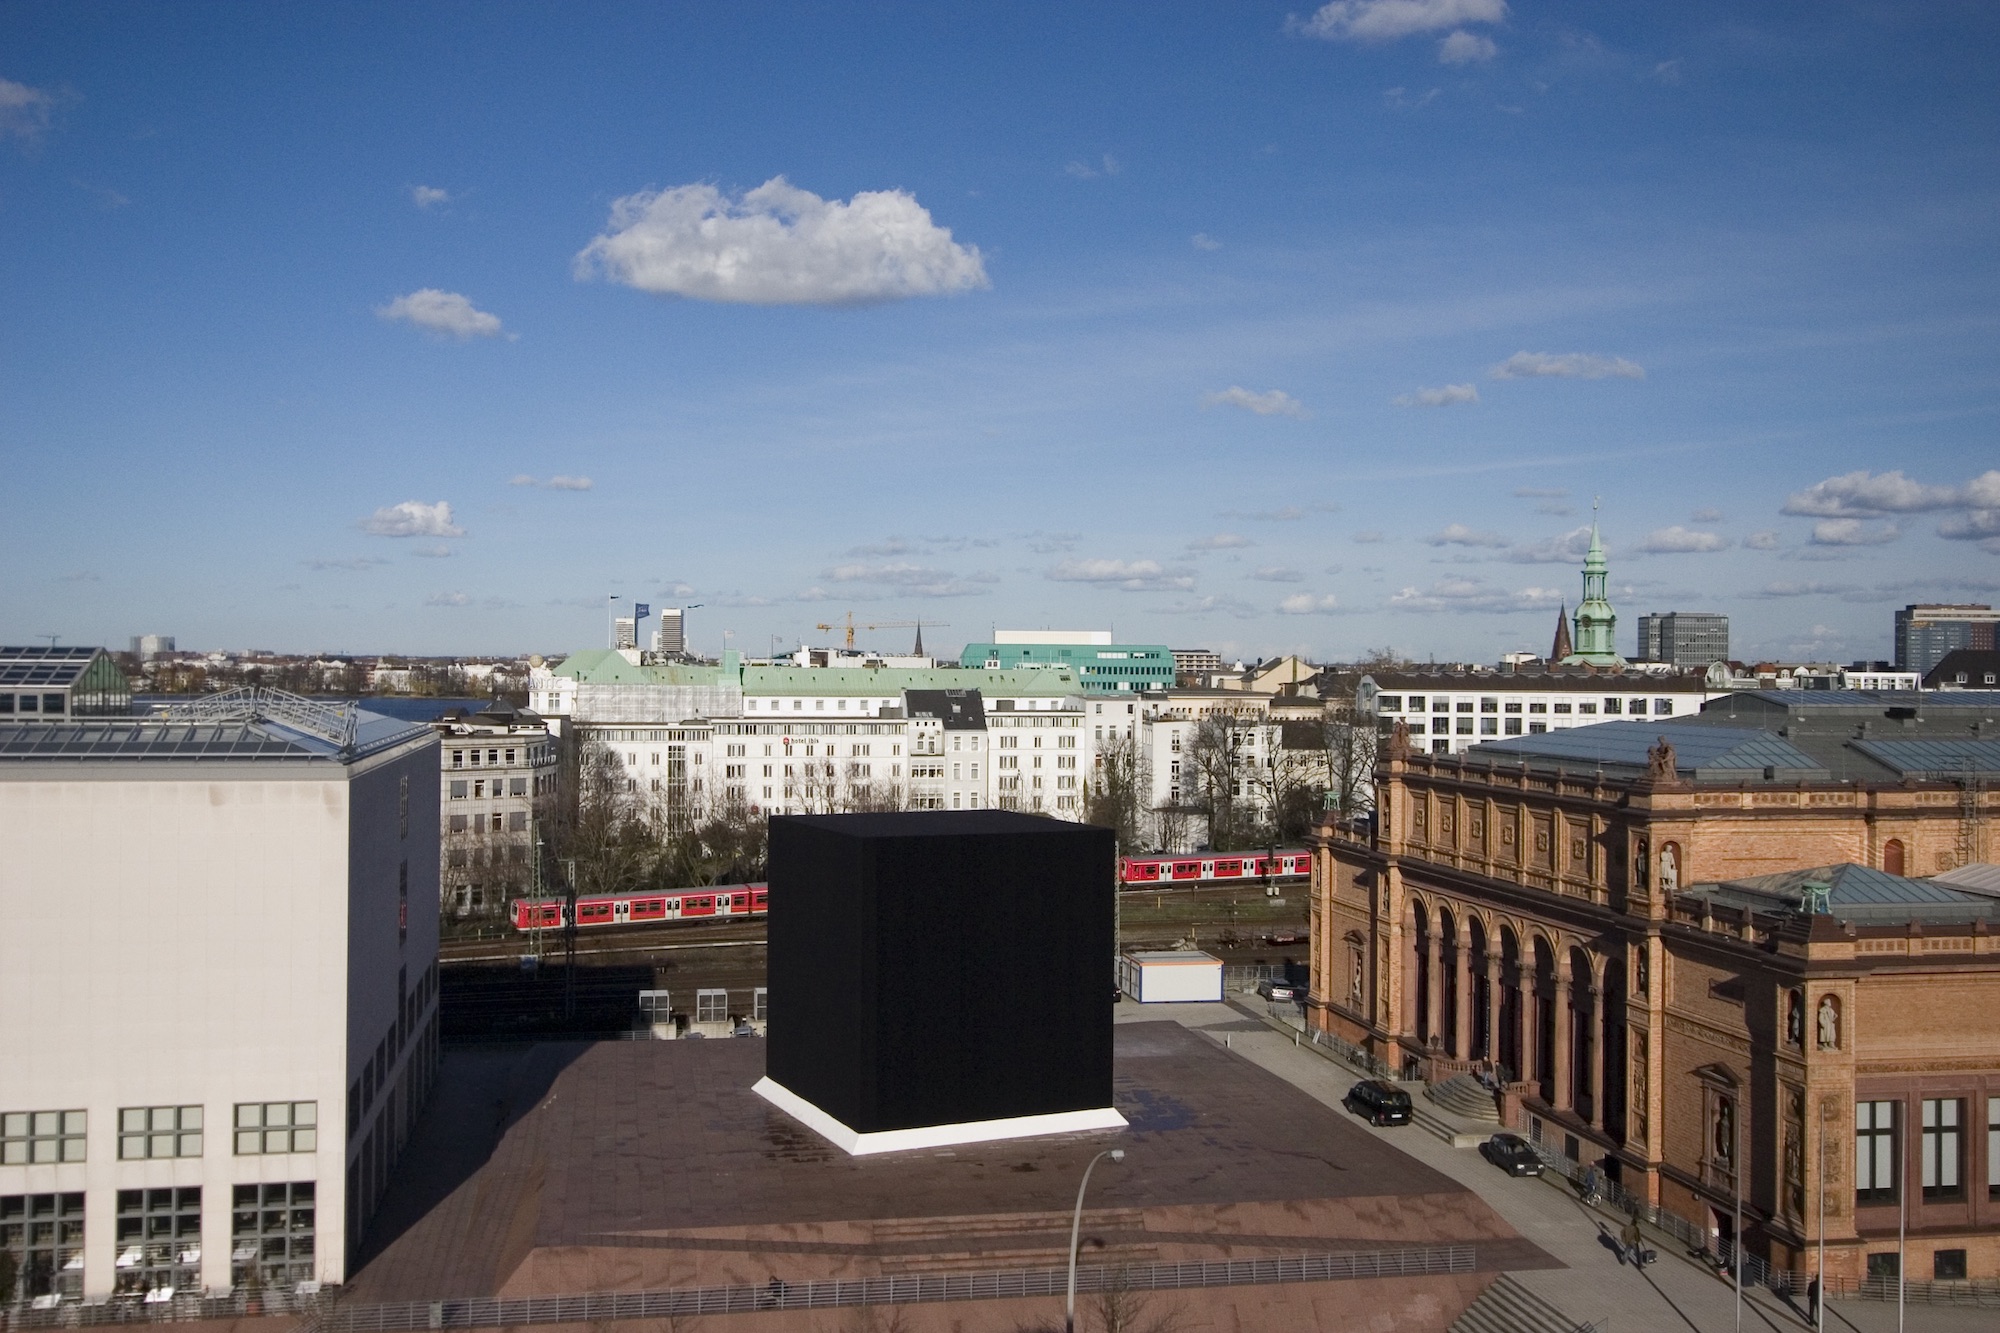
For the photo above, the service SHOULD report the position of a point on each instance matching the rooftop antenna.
(50, 637)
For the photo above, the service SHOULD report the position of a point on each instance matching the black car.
(1273, 988)
(1512, 1154)
(1379, 1102)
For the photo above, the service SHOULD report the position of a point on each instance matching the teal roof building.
(1099, 666)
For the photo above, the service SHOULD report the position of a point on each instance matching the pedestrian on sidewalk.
(1812, 1300)
(1628, 1236)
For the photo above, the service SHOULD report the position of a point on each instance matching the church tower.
(1594, 641)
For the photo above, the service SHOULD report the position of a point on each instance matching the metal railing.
(909, 1289)
(179, 1309)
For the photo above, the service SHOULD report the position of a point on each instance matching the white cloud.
(1210, 605)
(1457, 534)
(1443, 397)
(1386, 20)
(1705, 516)
(24, 111)
(1270, 403)
(1278, 574)
(1466, 48)
(556, 483)
(780, 245)
(412, 518)
(1857, 495)
(1566, 366)
(1368, 538)
(448, 599)
(429, 196)
(1127, 575)
(1541, 493)
(1667, 72)
(350, 563)
(1565, 549)
(1466, 594)
(1221, 541)
(914, 580)
(1852, 532)
(1680, 540)
(441, 312)
(1789, 589)
(1307, 604)
(1201, 240)
(1766, 540)
(433, 552)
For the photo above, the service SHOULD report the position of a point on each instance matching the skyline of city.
(1258, 332)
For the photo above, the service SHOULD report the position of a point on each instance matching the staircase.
(1021, 1240)
(1508, 1307)
(1466, 1097)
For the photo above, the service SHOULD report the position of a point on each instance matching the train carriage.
(1213, 868)
(723, 901)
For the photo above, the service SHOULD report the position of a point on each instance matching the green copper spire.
(1596, 623)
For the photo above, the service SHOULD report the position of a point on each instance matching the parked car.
(1512, 1154)
(1379, 1102)
(1276, 988)
(1284, 937)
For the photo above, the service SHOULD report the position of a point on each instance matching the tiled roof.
(1699, 750)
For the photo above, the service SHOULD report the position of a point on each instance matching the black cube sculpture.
(940, 977)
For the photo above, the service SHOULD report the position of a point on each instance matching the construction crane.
(847, 623)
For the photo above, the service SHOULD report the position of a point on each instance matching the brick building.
(1594, 912)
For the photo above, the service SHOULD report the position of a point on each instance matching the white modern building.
(1448, 712)
(219, 982)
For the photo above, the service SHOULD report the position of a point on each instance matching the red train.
(624, 909)
(741, 900)
(1213, 868)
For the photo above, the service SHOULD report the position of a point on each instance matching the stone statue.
(1670, 868)
(1725, 1131)
(1399, 740)
(1795, 1018)
(1829, 1024)
(1660, 762)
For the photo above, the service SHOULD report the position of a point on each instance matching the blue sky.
(1241, 326)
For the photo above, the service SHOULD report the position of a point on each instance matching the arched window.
(1892, 856)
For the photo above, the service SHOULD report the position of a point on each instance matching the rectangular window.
(1489, 705)
(1513, 726)
(1513, 706)
(1416, 703)
(1465, 705)
(458, 823)
(1440, 705)
(44, 1235)
(458, 790)
(1614, 705)
(458, 759)
(711, 1006)
(517, 821)
(517, 786)
(1537, 728)
(1662, 707)
(1941, 1148)
(760, 1004)
(29, 1138)
(1875, 1152)
(1465, 726)
(272, 1234)
(159, 1131)
(1440, 747)
(1585, 708)
(1490, 726)
(1538, 708)
(1948, 1265)
(159, 1239)
(1562, 708)
(1392, 703)
(276, 1127)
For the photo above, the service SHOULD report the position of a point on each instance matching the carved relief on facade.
(1794, 1193)
(1832, 1155)
(1639, 1066)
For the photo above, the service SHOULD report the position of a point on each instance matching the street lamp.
(1076, 1227)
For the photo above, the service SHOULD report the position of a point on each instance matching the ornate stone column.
(1564, 1032)
(1597, 1097)
(1524, 991)
(1434, 963)
(1461, 986)
(1492, 1051)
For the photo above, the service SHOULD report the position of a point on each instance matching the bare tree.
(1115, 794)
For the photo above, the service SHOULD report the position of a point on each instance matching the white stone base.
(856, 1144)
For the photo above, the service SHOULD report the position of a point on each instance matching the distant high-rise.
(1684, 638)
(1926, 631)
(626, 631)
(146, 647)
(671, 636)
